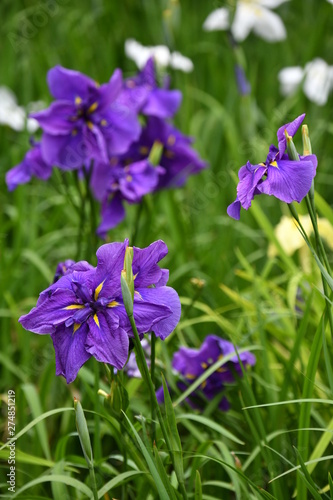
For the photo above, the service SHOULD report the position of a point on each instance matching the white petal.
(217, 20)
(178, 61)
(244, 20)
(270, 4)
(7, 98)
(290, 78)
(330, 1)
(32, 125)
(317, 84)
(269, 26)
(13, 117)
(161, 54)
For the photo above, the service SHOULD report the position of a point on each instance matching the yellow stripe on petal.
(74, 306)
(273, 164)
(190, 376)
(78, 100)
(96, 320)
(204, 365)
(93, 107)
(98, 290)
(90, 125)
(114, 303)
(76, 327)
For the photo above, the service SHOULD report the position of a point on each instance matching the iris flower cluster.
(84, 312)
(108, 131)
(279, 176)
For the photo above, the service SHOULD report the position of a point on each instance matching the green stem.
(82, 217)
(152, 374)
(93, 218)
(93, 482)
(137, 222)
(147, 378)
(97, 441)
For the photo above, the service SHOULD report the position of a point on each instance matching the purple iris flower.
(179, 159)
(244, 87)
(116, 184)
(190, 364)
(84, 311)
(33, 165)
(85, 122)
(279, 176)
(142, 94)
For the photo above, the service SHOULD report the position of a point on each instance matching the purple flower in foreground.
(33, 165)
(142, 94)
(190, 364)
(279, 176)
(84, 311)
(85, 122)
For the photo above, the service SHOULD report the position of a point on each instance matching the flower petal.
(68, 84)
(145, 268)
(291, 129)
(106, 342)
(289, 181)
(269, 25)
(162, 103)
(112, 214)
(110, 262)
(58, 119)
(71, 354)
(217, 20)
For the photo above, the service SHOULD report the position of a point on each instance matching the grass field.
(272, 305)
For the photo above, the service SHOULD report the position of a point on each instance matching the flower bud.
(127, 296)
(82, 429)
(155, 153)
(291, 148)
(307, 150)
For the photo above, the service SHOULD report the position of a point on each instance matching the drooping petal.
(178, 61)
(217, 20)
(112, 214)
(58, 119)
(289, 181)
(71, 354)
(65, 151)
(106, 342)
(233, 209)
(121, 129)
(162, 320)
(32, 165)
(69, 84)
(249, 178)
(271, 4)
(318, 81)
(51, 312)
(140, 179)
(145, 268)
(269, 25)
(162, 103)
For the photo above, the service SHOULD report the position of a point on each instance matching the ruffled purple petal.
(50, 312)
(158, 311)
(145, 268)
(70, 350)
(121, 130)
(32, 165)
(249, 179)
(233, 209)
(106, 341)
(289, 181)
(65, 151)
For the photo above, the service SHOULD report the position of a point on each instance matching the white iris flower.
(250, 15)
(161, 53)
(316, 76)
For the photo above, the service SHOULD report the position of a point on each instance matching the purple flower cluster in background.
(190, 364)
(84, 313)
(286, 179)
(96, 129)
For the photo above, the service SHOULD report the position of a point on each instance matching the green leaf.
(116, 481)
(198, 488)
(35, 406)
(173, 433)
(70, 481)
(163, 474)
(330, 482)
(151, 465)
(211, 425)
(308, 479)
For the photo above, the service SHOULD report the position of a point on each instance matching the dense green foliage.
(271, 305)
